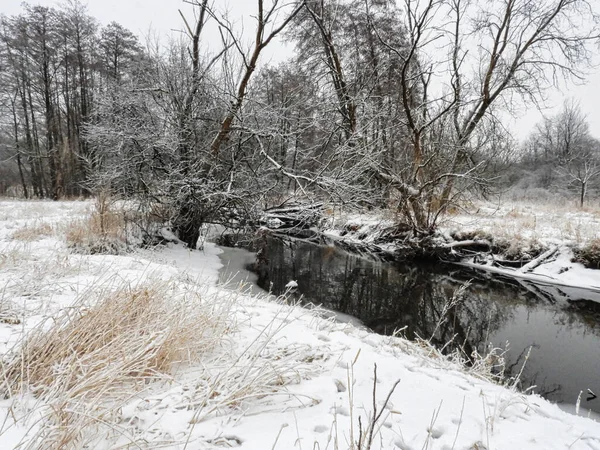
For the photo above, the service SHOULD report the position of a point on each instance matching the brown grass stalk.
(34, 232)
(92, 358)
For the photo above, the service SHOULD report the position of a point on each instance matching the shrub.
(589, 255)
(103, 232)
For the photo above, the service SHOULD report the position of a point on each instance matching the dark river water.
(560, 334)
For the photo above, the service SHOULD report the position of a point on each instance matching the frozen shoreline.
(366, 231)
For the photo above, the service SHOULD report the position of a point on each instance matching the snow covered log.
(293, 216)
(539, 260)
(470, 243)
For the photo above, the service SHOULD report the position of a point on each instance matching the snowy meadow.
(142, 349)
(380, 128)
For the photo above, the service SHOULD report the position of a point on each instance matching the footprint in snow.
(340, 410)
(436, 433)
(340, 386)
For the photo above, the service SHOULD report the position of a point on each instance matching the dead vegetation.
(105, 231)
(91, 358)
(34, 232)
(588, 255)
(13, 256)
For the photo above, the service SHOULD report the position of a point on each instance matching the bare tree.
(324, 18)
(178, 133)
(266, 16)
(495, 50)
(52, 74)
(581, 165)
(563, 149)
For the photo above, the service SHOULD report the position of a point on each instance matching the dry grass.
(33, 232)
(103, 232)
(13, 256)
(96, 370)
(93, 358)
(588, 255)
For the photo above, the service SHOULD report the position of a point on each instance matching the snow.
(525, 222)
(559, 272)
(525, 225)
(293, 284)
(284, 377)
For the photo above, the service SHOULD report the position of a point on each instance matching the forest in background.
(384, 104)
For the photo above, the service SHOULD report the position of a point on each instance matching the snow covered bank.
(519, 230)
(560, 271)
(280, 378)
(525, 226)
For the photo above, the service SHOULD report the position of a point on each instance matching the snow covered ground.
(528, 225)
(279, 377)
(525, 226)
(526, 222)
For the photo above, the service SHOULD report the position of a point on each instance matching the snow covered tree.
(52, 75)
(457, 65)
(180, 129)
(562, 148)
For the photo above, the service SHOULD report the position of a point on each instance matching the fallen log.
(470, 243)
(515, 264)
(294, 208)
(295, 216)
(539, 260)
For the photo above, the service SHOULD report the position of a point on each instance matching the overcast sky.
(162, 16)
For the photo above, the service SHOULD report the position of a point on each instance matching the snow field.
(239, 371)
(526, 222)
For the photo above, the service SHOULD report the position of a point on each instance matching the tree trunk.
(187, 227)
(52, 139)
(37, 156)
(35, 177)
(23, 183)
(17, 146)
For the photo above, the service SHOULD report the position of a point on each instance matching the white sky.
(162, 16)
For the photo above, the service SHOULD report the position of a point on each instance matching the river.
(551, 337)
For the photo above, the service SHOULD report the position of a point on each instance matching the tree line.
(561, 154)
(54, 65)
(394, 104)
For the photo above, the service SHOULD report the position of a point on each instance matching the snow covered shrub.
(519, 249)
(91, 359)
(146, 221)
(589, 255)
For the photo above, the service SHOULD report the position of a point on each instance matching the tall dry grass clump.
(91, 359)
(105, 231)
(34, 232)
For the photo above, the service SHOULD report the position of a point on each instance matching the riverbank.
(517, 240)
(269, 376)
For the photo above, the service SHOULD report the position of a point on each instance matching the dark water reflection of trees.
(415, 298)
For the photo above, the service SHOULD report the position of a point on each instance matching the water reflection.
(563, 335)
